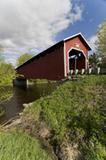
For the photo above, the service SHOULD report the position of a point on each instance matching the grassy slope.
(19, 146)
(5, 93)
(76, 110)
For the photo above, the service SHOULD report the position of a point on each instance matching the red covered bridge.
(56, 62)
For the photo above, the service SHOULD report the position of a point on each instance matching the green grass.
(6, 79)
(2, 111)
(7, 74)
(6, 86)
(75, 112)
(5, 93)
(15, 145)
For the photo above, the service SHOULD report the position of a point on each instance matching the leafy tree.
(101, 43)
(93, 59)
(1, 56)
(7, 73)
(6, 69)
(23, 58)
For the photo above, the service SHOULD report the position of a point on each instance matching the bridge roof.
(56, 45)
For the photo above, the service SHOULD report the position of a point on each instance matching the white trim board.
(79, 51)
(75, 35)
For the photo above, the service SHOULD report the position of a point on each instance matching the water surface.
(24, 95)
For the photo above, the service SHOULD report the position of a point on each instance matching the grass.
(2, 111)
(76, 113)
(15, 145)
(5, 93)
(6, 84)
(6, 76)
(6, 79)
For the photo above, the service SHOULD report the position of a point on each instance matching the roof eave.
(38, 55)
(78, 34)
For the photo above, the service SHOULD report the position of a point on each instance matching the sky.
(34, 25)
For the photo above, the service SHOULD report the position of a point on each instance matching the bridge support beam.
(20, 82)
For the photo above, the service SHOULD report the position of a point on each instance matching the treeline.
(98, 58)
(7, 73)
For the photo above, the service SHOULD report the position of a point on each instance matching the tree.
(7, 73)
(1, 56)
(93, 60)
(23, 58)
(6, 69)
(101, 43)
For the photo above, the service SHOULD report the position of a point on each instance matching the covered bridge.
(56, 62)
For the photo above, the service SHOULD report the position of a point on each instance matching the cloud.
(10, 57)
(27, 24)
(92, 40)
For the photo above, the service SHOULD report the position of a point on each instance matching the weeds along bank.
(20, 146)
(75, 116)
(6, 91)
(6, 76)
(71, 121)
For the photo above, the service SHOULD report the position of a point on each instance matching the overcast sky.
(34, 25)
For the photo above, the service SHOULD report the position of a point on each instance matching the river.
(23, 95)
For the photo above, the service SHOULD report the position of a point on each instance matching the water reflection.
(25, 95)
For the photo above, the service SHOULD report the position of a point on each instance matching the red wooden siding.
(53, 63)
(73, 43)
(49, 66)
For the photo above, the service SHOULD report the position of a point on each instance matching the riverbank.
(6, 90)
(6, 76)
(20, 146)
(70, 123)
(21, 95)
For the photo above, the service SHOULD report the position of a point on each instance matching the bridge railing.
(89, 71)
